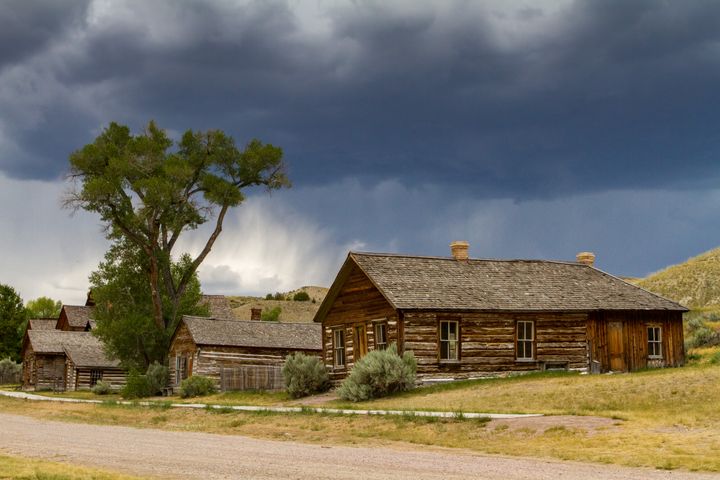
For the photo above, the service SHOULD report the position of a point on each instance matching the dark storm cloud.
(498, 101)
(26, 27)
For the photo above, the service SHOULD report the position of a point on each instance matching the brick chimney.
(459, 249)
(586, 258)
(255, 314)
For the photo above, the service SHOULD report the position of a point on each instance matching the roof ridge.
(431, 257)
(229, 320)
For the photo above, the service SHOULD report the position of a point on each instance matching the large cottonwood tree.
(149, 191)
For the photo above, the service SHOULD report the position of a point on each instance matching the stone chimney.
(459, 249)
(255, 314)
(586, 258)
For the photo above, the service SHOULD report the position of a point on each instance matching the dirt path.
(202, 455)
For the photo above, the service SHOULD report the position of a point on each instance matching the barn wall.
(487, 343)
(182, 344)
(116, 377)
(29, 374)
(359, 302)
(634, 338)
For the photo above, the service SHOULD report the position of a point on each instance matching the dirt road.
(209, 456)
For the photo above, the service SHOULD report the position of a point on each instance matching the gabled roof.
(442, 283)
(219, 306)
(78, 315)
(236, 333)
(42, 323)
(83, 348)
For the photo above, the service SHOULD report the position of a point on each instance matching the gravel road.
(210, 456)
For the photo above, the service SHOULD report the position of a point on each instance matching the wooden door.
(360, 342)
(616, 347)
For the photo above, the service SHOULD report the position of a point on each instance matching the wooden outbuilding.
(238, 354)
(470, 318)
(66, 360)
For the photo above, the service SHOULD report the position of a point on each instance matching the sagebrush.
(197, 386)
(305, 375)
(159, 377)
(136, 386)
(10, 372)
(379, 373)
(101, 388)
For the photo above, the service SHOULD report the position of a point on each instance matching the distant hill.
(294, 312)
(694, 283)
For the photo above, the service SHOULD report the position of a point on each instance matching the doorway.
(616, 347)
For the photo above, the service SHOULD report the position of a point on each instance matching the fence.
(251, 377)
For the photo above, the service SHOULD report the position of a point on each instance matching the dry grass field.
(302, 312)
(664, 419)
(21, 468)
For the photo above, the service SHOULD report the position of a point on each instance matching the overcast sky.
(532, 129)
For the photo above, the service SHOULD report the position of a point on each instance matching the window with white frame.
(339, 348)
(380, 336)
(525, 343)
(655, 342)
(449, 340)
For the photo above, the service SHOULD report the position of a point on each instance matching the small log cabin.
(470, 318)
(219, 348)
(66, 360)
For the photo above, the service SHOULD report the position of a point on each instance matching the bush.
(301, 297)
(197, 386)
(137, 386)
(159, 376)
(269, 296)
(379, 373)
(101, 388)
(305, 375)
(10, 372)
(271, 315)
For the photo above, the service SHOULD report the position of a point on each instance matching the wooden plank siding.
(635, 338)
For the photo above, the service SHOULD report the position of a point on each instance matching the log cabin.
(66, 360)
(471, 318)
(238, 354)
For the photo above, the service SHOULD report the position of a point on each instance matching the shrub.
(305, 375)
(271, 315)
(278, 296)
(269, 296)
(379, 373)
(301, 297)
(101, 388)
(159, 376)
(197, 386)
(136, 386)
(10, 372)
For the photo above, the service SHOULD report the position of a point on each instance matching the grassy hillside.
(291, 311)
(694, 283)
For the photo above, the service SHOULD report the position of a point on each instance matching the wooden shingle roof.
(78, 315)
(236, 333)
(42, 323)
(84, 349)
(440, 283)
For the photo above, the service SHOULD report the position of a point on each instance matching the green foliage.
(269, 296)
(379, 373)
(136, 386)
(149, 191)
(124, 307)
(158, 376)
(278, 296)
(13, 318)
(305, 375)
(197, 386)
(271, 315)
(43, 307)
(10, 372)
(301, 297)
(101, 388)
(699, 333)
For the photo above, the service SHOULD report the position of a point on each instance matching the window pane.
(452, 350)
(443, 350)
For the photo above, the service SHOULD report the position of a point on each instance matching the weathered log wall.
(358, 303)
